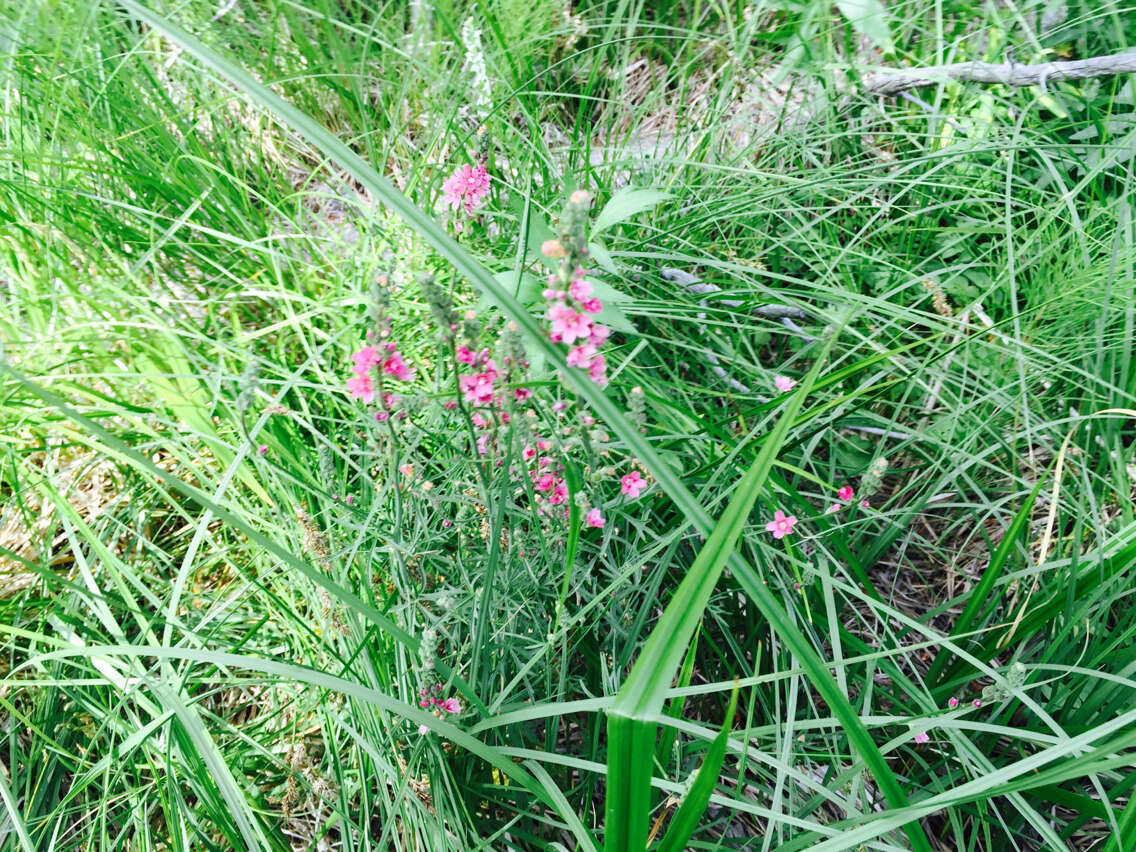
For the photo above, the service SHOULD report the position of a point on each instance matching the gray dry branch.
(1009, 74)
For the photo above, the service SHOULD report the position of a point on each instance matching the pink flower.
(594, 518)
(581, 356)
(835, 507)
(350, 498)
(632, 484)
(528, 453)
(382, 416)
(845, 493)
(864, 504)
(592, 306)
(467, 188)
(447, 523)
(580, 289)
(521, 394)
(395, 366)
(559, 494)
(597, 371)
(977, 702)
(921, 737)
(365, 359)
(451, 705)
(406, 469)
(559, 405)
(422, 729)
(465, 355)
(544, 482)
(784, 383)
(479, 421)
(567, 325)
(262, 449)
(478, 388)
(361, 387)
(781, 525)
(952, 702)
(600, 333)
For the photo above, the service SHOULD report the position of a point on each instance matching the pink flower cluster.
(570, 314)
(478, 387)
(844, 494)
(466, 188)
(389, 363)
(450, 705)
(549, 485)
(431, 699)
(547, 479)
(922, 737)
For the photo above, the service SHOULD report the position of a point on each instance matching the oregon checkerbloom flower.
(466, 188)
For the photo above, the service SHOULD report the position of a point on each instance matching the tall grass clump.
(486, 425)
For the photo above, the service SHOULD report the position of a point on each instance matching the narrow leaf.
(686, 818)
(868, 18)
(625, 204)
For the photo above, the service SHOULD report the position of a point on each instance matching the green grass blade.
(675, 707)
(632, 718)
(977, 598)
(587, 843)
(15, 816)
(686, 818)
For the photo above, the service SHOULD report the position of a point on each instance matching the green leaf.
(685, 820)
(625, 204)
(675, 708)
(869, 18)
(524, 287)
(600, 255)
(632, 717)
(14, 815)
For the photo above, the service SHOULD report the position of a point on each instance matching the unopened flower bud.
(553, 249)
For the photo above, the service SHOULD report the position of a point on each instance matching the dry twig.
(1008, 74)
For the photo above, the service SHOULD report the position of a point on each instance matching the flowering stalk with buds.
(571, 301)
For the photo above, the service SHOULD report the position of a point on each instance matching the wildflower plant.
(572, 304)
(378, 508)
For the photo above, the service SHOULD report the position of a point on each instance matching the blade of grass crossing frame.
(432, 233)
(686, 818)
(674, 709)
(978, 597)
(1127, 828)
(14, 816)
(632, 718)
(587, 844)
